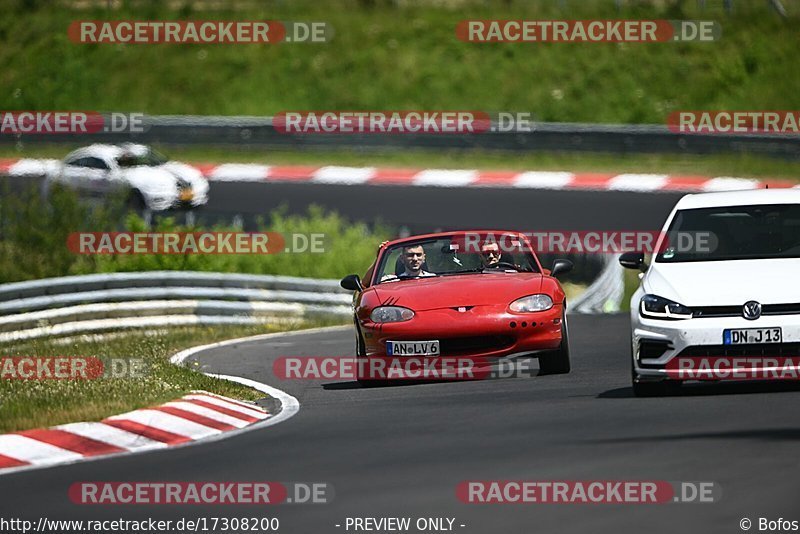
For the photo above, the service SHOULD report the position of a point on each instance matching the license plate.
(412, 348)
(187, 194)
(744, 336)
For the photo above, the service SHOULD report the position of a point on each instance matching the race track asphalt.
(423, 209)
(400, 451)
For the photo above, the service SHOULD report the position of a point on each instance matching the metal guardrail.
(544, 136)
(101, 302)
(127, 280)
(605, 294)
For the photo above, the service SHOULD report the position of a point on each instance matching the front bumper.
(489, 332)
(657, 343)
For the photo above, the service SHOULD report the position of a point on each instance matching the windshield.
(455, 255)
(733, 233)
(151, 158)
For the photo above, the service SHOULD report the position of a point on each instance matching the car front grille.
(705, 312)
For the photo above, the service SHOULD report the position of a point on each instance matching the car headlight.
(391, 314)
(532, 303)
(657, 307)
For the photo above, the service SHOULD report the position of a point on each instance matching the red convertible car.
(481, 295)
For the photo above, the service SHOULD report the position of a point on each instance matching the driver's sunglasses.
(491, 253)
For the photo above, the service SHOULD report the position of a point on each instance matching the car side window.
(389, 262)
(95, 163)
(77, 162)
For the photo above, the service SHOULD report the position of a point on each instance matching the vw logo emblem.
(751, 310)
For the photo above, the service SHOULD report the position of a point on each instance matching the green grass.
(36, 403)
(632, 281)
(403, 55)
(573, 290)
(740, 165)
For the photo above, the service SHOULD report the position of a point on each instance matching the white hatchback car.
(734, 301)
(152, 182)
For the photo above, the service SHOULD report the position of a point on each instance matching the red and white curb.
(644, 183)
(637, 182)
(192, 417)
(197, 418)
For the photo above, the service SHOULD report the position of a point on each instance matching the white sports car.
(152, 181)
(729, 309)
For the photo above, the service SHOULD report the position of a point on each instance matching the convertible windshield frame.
(436, 246)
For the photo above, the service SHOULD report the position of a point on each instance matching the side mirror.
(632, 260)
(352, 282)
(561, 267)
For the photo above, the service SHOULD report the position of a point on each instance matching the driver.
(413, 257)
(490, 255)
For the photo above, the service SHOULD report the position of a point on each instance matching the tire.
(136, 202)
(361, 352)
(557, 362)
(138, 205)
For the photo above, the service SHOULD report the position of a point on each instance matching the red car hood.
(463, 290)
